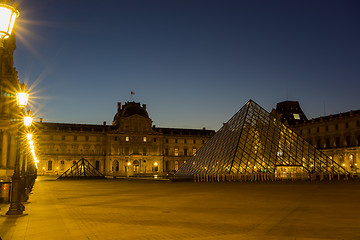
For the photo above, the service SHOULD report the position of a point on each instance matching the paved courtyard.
(139, 209)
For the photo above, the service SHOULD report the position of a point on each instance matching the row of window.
(177, 153)
(336, 127)
(337, 141)
(127, 139)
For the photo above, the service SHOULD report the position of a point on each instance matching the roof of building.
(105, 128)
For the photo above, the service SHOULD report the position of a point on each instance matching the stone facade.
(130, 146)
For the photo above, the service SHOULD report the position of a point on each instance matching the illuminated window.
(144, 139)
(194, 151)
(176, 152)
(296, 116)
(127, 139)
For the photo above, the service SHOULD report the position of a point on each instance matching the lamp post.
(8, 15)
(16, 207)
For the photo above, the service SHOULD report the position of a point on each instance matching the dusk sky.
(195, 63)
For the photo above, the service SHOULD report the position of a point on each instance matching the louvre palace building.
(130, 146)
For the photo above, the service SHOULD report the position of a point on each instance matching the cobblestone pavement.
(122, 209)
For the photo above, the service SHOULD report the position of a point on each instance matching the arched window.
(49, 165)
(115, 166)
(351, 160)
(176, 165)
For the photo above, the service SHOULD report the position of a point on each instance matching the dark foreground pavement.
(120, 209)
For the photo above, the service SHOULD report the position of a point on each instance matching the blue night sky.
(193, 62)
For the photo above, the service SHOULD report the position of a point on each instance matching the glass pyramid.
(81, 169)
(255, 141)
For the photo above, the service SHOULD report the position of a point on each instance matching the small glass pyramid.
(255, 141)
(81, 169)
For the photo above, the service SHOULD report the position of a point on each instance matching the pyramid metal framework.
(254, 141)
(81, 169)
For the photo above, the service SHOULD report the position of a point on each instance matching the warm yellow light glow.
(129, 163)
(28, 121)
(31, 142)
(344, 164)
(22, 99)
(29, 136)
(43, 168)
(155, 163)
(32, 147)
(8, 16)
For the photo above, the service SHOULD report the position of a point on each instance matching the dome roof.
(132, 109)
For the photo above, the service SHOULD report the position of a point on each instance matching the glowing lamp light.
(28, 121)
(22, 99)
(155, 163)
(129, 163)
(29, 136)
(8, 15)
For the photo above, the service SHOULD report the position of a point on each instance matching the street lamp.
(18, 187)
(28, 119)
(22, 99)
(8, 15)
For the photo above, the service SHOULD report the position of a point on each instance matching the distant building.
(130, 146)
(338, 136)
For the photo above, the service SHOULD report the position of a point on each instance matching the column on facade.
(4, 153)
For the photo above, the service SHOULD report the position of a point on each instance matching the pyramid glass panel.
(81, 169)
(255, 141)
